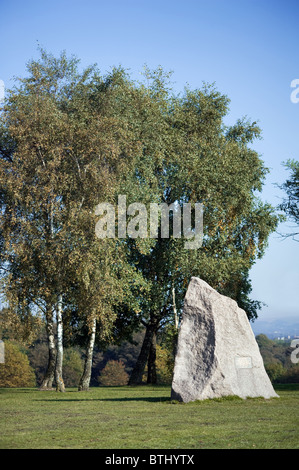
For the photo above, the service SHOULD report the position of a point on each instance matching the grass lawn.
(145, 418)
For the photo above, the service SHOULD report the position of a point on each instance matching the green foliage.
(290, 205)
(274, 370)
(72, 367)
(113, 374)
(290, 375)
(16, 370)
(205, 162)
(273, 351)
(72, 139)
(277, 360)
(168, 338)
(69, 147)
(23, 329)
(165, 365)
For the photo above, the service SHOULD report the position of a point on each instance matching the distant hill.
(277, 327)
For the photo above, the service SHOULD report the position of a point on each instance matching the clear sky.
(249, 48)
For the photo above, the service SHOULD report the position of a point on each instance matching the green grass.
(145, 418)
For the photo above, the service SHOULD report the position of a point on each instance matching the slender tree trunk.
(85, 378)
(137, 373)
(50, 373)
(151, 364)
(176, 322)
(175, 313)
(59, 358)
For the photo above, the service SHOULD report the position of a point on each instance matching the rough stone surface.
(217, 352)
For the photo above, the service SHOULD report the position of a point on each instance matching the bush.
(72, 367)
(290, 375)
(274, 370)
(16, 370)
(113, 374)
(164, 364)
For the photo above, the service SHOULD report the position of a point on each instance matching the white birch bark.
(176, 319)
(49, 376)
(59, 359)
(85, 378)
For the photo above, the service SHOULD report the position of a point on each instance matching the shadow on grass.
(125, 399)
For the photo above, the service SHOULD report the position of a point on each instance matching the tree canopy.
(290, 204)
(72, 139)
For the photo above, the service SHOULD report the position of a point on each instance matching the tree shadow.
(124, 399)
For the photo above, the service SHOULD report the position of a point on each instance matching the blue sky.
(249, 48)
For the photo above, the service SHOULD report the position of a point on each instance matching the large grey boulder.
(217, 353)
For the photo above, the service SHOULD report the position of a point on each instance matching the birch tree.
(67, 149)
(70, 140)
(211, 164)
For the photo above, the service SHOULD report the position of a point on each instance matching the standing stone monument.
(217, 353)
